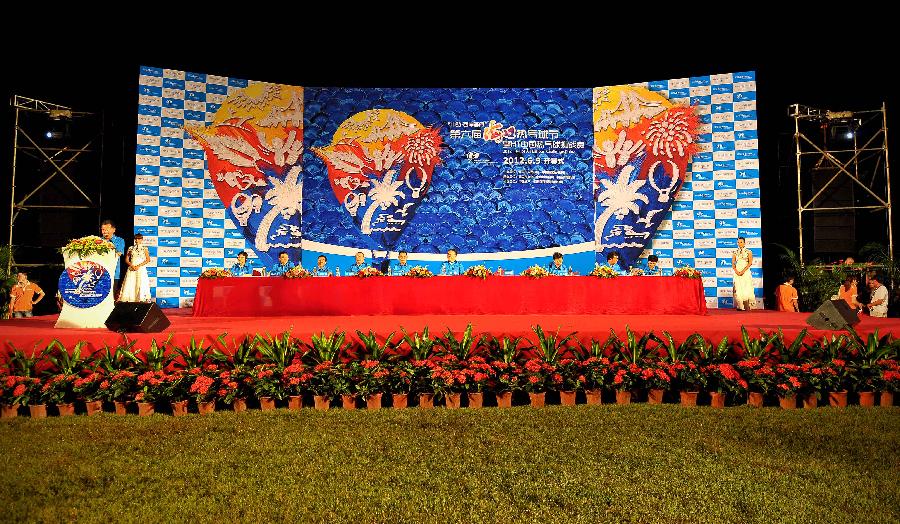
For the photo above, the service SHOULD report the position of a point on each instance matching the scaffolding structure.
(53, 148)
(837, 146)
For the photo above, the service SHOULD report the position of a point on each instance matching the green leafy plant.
(420, 346)
(687, 350)
(243, 356)
(632, 349)
(117, 358)
(156, 358)
(326, 348)
(195, 354)
(789, 353)
(815, 284)
(759, 347)
(277, 350)
(371, 348)
(463, 347)
(550, 348)
(713, 354)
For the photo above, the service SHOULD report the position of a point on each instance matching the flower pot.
(9, 411)
(593, 396)
(537, 399)
(688, 398)
(887, 399)
(567, 398)
(121, 407)
(322, 402)
(348, 401)
(145, 409)
(94, 407)
(717, 400)
(266, 403)
(66, 409)
(504, 399)
(755, 399)
(476, 399)
(810, 401)
(295, 402)
(239, 405)
(655, 396)
(38, 410)
(426, 400)
(399, 400)
(179, 408)
(205, 408)
(867, 399)
(788, 402)
(374, 401)
(452, 400)
(623, 397)
(837, 399)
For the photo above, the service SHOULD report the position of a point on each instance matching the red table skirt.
(511, 295)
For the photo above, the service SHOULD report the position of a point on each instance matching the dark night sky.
(100, 73)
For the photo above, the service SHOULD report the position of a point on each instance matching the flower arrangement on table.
(297, 272)
(369, 272)
(535, 271)
(479, 271)
(88, 245)
(419, 272)
(687, 272)
(603, 271)
(215, 272)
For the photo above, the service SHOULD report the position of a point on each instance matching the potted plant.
(759, 378)
(535, 375)
(837, 376)
(787, 384)
(266, 384)
(87, 388)
(889, 382)
(296, 379)
(507, 382)
(689, 379)
(571, 380)
(401, 383)
(624, 376)
(657, 378)
(725, 379)
(233, 389)
(177, 386)
(596, 371)
(320, 384)
(152, 388)
(203, 390)
(479, 375)
(370, 381)
(16, 391)
(814, 377)
(58, 389)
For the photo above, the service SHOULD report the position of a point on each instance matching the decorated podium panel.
(86, 283)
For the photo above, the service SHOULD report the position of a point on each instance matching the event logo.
(85, 284)
(254, 147)
(643, 144)
(380, 166)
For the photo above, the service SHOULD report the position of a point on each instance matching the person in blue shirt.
(650, 269)
(451, 266)
(241, 268)
(321, 269)
(108, 231)
(556, 267)
(612, 261)
(283, 266)
(359, 265)
(402, 268)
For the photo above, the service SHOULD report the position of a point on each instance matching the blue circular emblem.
(84, 284)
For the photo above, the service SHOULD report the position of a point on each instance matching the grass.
(635, 463)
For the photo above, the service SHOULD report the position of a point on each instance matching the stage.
(35, 333)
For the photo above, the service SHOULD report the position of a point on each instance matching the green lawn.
(637, 463)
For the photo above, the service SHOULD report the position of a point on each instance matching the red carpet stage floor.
(37, 332)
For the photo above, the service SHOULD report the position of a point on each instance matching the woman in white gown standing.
(741, 260)
(136, 286)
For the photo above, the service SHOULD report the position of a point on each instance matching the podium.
(86, 286)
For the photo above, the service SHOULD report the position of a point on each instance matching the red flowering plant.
(369, 377)
(688, 376)
(177, 385)
(759, 376)
(87, 388)
(15, 389)
(152, 387)
(625, 376)
(596, 371)
(787, 379)
(656, 375)
(507, 374)
(233, 385)
(836, 375)
(402, 378)
(265, 380)
(889, 378)
(572, 374)
(296, 379)
(58, 389)
(537, 375)
(320, 382)
(118, 386)
(480, 374)
(724, 378)
(815, 377)
(203, 388)
(447, 375)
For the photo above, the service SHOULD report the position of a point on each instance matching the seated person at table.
(283, 266)
(451, 266)
(321, 270)
(402, 268)
(652, 267)
(359, 265)
(612, 262)
(556, 267)
(241, 268)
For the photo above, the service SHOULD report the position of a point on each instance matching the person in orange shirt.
(21, 297)
(847, 292)
(786, 296)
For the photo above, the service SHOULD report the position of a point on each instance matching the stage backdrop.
(505, 176)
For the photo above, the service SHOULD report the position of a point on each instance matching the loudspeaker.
(140, 317)
(834, 315)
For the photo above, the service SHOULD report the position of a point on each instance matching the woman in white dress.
(741, 260)
(136, 286)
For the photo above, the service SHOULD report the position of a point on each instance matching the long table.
(461, 295)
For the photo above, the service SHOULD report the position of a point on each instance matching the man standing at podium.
(108, 231)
